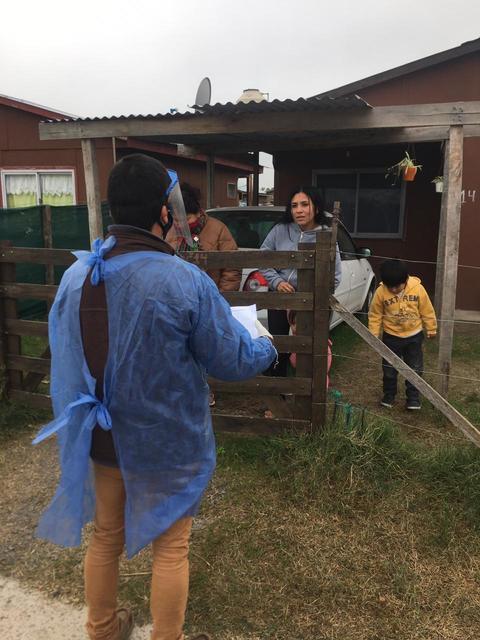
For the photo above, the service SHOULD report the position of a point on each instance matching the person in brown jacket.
(208, 234)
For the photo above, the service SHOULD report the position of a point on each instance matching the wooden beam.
(257, 426)
(185, 128)
(210, 182)
(92, 184)
(264, 385)
(451, 230)
(454, 416)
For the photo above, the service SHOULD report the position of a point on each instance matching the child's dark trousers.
(411, 351)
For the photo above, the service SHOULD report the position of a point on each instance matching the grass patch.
(16, 418)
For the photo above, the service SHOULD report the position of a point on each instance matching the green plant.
(398, 169)
(437, 179)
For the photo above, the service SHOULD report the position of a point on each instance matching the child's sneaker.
(387, 401)
(413, 405)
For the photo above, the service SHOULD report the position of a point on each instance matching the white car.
(250, 226)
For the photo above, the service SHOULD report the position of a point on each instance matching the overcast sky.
(107, 57)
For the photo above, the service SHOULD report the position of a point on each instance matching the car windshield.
(249, 228)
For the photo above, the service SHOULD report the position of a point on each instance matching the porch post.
(256, 181)
(92, 184)
(210, 182)
(440, 270)
(450, 252)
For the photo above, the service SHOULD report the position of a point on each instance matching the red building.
(401, 220)
(33, 171)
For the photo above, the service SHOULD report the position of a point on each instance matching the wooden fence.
(314, 264)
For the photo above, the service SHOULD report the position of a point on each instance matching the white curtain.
(20, 183)
(56, 184)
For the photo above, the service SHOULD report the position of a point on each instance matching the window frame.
(234, 188)
(36, 172)
(357, 172)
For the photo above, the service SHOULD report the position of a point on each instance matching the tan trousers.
(169, 589)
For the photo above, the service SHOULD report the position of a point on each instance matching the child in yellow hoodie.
(401, 309)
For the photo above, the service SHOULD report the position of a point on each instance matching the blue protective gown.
(168, 328)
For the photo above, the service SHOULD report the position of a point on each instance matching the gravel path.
(28, 615)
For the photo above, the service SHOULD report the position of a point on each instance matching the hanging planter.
(406, 168)
(438, 182)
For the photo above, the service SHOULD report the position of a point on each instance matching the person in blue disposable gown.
(134, 331)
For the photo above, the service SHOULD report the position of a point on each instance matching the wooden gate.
(24, 373)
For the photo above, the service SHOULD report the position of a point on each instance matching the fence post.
(11, 344)
(48, 240)
(321, 322)
(304, 320)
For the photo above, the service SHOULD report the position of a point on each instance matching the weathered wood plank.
(36, 400)
(302, 408)
(440, 267)
(186, 128)
(250, 259)
(33, 291)
(92, 184)
(28, 363)
(450, 247)
(27, 328)
(321, 328)
(264, 385)
(210, 181)
(336, 139)
(455, 417)
(37, 256)
(8, 310)
(299, 344)
(271, 300)
(257, 426)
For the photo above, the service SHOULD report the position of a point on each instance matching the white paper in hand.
(247, 316)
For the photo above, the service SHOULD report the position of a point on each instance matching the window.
(370, 204)
(26, 188)
(345, 244)
(232, 190)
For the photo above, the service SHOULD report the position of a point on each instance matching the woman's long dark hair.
(316, 197)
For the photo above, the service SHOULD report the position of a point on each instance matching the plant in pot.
(406, 168)
(438, 182)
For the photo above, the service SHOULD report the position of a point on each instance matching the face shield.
(176, 209)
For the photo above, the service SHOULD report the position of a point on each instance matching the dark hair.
(393, 272)
(191, 198)
(137, 188)
(316, 197)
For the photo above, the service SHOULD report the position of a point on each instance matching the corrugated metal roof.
(322, 103)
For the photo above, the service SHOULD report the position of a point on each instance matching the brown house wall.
(449, 82)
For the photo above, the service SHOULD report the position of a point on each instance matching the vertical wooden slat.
(256, 181)
(450, 256)
(440, 270)
(210, 182)
(321, 323)
(11, 344)
(305, 282)
(48, 241)
(333, 246)
(92, 184)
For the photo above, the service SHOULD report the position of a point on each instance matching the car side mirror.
(363, 252)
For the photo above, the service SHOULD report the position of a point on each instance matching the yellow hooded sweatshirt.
(402, 315)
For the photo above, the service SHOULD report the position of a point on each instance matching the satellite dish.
(204, 93)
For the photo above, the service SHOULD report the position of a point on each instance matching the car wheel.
(368, 298)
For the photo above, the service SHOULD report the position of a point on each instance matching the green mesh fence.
(23, 227)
